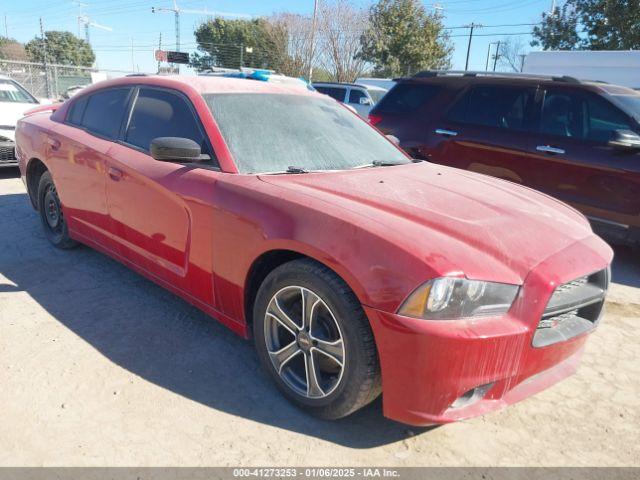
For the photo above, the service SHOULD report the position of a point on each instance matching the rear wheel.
(51, 214)
(315, 341)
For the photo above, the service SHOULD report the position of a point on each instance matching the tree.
(290, 35)
(236, 43)
(11, 49)
(511, 53)
(63, 48)
(591, 25)
(340, 25)
(403, 38)
(610, 24)
(558, 30)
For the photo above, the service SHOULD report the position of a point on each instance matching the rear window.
(104, 111)
(495, 106)
(407, 97)
(334, 92)
(77, 110)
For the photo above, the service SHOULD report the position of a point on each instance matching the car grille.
(574, 308)
(7, 152)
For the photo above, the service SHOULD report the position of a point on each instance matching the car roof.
(205, 84)
(341, 84)
(507, 78)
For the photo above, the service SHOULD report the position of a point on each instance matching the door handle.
(114, 173)
(54, 144)
(445, 132)
(550, 149)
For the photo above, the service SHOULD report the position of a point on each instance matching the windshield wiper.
(294, 169)
(379, 163)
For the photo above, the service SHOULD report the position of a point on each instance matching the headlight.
(448, 298)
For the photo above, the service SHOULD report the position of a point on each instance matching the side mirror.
(365, 101)
(176, 149)
(393, 139)
(625, 139)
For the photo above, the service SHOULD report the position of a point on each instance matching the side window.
(563, 115)
(495, 106)
(355, 95)
(334, 92)
(159, 113)
(104, 112)
(604, 119)
(77, 110)
(407, 97)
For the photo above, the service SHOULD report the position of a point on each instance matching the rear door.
(151, 219)
(582, 168)
(488, 130)
(79, 150)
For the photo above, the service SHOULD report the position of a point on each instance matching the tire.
(51, 215)
(338, 346)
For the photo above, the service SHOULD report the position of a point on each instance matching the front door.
(151, 219)
(583, 168)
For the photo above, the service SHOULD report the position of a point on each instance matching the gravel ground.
(100, 367)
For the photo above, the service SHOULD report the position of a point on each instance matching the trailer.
(617, 67)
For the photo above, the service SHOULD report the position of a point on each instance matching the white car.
(14, 101)
(361, 98)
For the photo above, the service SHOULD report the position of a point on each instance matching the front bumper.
(8, 154)
(427, 365)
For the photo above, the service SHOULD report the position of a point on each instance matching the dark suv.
(577, 141)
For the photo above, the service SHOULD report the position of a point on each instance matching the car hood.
(10, 113)
(484, 227)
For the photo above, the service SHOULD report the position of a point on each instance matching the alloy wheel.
(304, 342)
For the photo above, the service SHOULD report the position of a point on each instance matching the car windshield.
(270, 133)
(629, 103)
(13, 93)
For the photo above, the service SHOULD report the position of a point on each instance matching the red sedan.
(289, 219)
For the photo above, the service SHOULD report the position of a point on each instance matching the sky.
(135, 29)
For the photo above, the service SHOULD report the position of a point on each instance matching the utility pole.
(176, 13)
(486, 64)
(44, 60)
(159, 48)
(313, 38)
(6, 28)
(471, 27)
(495, 58)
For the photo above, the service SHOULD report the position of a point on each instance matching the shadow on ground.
(157, 336)
(626, 266)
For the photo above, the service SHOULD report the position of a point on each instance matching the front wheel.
(315, 341)
(51, 215)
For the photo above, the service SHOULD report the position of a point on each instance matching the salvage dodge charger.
(356, 270)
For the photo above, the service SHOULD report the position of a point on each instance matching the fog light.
(472, 396)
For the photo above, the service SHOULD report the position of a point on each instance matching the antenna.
(177, 11)
(87, 22)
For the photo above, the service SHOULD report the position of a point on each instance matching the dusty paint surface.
(98, 366)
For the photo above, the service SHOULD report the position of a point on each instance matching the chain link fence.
(53, 80)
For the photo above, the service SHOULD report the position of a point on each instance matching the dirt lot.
(99, 366)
